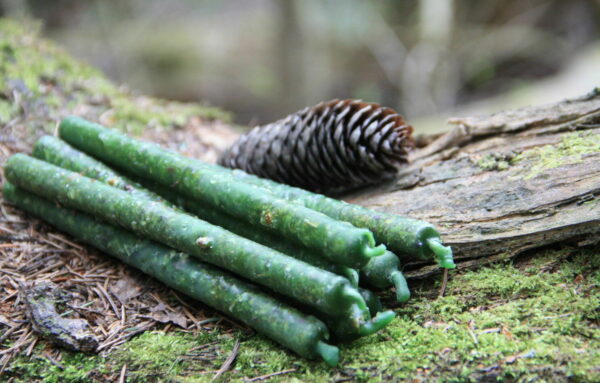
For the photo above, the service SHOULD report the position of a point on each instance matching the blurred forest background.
(263, 59)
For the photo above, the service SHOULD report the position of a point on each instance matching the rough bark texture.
(496, 186)
(42, 301)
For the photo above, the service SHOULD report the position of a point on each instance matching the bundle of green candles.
(229, 239)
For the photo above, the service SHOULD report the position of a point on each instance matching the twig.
(141, 328)
(229, 361)
(9, 296)
(7, 230)
(5, 361)
(198, 348)
(444, 283)
(11, 273)
(66, 241)
(123, 372)
(46, 269)
(9, 332)
(470, 330)
(15, 238)
(49, 242)
(53, 361)
(31, 346)
(267, 376)
(109, 299)
(181, 300)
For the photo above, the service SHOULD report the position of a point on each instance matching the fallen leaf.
(125, 289)
(169, 317)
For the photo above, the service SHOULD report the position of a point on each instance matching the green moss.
(496, 161)
(6, 111)
(74, 368)
(568, 151)
(536, 320)
(38, 77)
(156, 356)
(488, 162)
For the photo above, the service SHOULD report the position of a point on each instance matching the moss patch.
(156, 356)
(73, 368)
(496, 161)
(535, 320)
(568, 151)
(40, 83)
(499, 322)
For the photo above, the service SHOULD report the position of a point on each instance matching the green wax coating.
(412, 238)
(339, 242)
(318, 288)
(245, 230)
(402, 290)
(382, 272)
(301, 333)
(55, 151)
(345, 328)
(406, 236)
(59, 153)
(372, 300)
(342, 329)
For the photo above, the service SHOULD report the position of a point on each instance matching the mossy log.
(496, 186)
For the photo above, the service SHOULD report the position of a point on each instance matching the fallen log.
(498, 185)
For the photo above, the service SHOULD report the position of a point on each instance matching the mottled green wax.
(372, 300)
(317, 288)
(55, 151)
(384, 271)
(268, 239)
(59, 153)
(343, 329)
(339, 242)
(405, 236)
(212, 286)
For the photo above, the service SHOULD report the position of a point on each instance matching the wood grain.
(484, 184)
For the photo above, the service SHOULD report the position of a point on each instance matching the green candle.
(317, 288)
(383, 272)
(59, 153)
(304, 334)
(339, 242)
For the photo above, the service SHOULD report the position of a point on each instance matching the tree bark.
(498, 185)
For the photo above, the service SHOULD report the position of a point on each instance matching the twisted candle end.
(380, 321)
(376, 251)
(358, 310)
(351, 275)
(443, 253)
(402, 291)
(329, 353)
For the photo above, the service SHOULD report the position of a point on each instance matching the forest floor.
(531, 318)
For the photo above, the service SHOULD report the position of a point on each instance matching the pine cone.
(335, 146)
